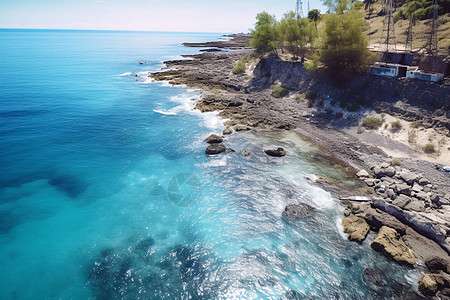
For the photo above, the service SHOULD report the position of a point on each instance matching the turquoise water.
(105, 191)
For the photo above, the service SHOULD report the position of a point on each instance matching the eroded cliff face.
(407, 98)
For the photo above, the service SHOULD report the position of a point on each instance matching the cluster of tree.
(421, 10)
(336, 40)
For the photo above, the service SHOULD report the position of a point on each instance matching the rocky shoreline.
(409, 203)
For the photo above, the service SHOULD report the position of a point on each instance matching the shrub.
(372, 122)
(311, 95)
(278, 91)
(396, 162)
(412, 137)
(298, 97)
(239, 68)
(396, 125)
(383, 115)
(416, 124)
(429, 148)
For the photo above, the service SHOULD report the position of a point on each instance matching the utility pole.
(387, 41)
(299, 9)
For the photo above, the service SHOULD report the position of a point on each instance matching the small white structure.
(389, 70)
(415, 73)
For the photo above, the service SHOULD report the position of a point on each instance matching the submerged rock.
(355, 228)
(214, 139)
(373, 276)
(276, 153)
(295, 211)
(215, 148)
(388, 242)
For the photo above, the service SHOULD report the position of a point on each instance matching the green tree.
(314, 16)
(264, 36)
(296, 34)
(344, 45)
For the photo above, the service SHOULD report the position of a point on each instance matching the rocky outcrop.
(389, 243)
(430, 284)
(215, 148)
(377, 219)
(214, 139)
(276, 153)
(424, 223)
(227, 131)
(296, 211)
(436, 264)
(355, 228)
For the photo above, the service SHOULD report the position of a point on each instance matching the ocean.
(105, 190)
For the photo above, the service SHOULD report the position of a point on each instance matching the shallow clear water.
(105, 191)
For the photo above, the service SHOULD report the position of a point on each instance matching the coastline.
(247, 101)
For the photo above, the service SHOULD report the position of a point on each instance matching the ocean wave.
(165, 112)
(124, 74)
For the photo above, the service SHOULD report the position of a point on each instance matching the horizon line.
(118, 30)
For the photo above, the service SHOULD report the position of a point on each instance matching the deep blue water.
(98, 167)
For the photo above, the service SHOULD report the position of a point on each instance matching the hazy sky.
(149, 15)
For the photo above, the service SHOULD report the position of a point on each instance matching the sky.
(231, 16)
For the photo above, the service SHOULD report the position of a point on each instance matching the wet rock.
(377, 219)
(401, 291)
(388, 242)
(296, 211)
(356, 228)
(327, 180)
(245, 153)
(227, 131)
(436, 264)
(432, 283)
(241, 128)
(276, 153)
(362, 174)
(228, 150)
(373, 276)
(215, 149)
(214, 139)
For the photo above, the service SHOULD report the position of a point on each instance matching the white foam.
(124, 74)
(217, 162)
(165, 112)
(340, 228)
(321, 198)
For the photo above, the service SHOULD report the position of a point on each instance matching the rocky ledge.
(410, 208)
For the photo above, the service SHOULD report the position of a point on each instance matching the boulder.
(215, 149)
(370, 181)
(415, 205)
(408, 177)
(296, 211)
(245, 153)
(432, 283)
(214, 139)
(436, 264)
(373, 276)
(241, 128)
(401, 201)
(381, 171)
(377, 219)
(362, 174)
(356, 228)
(227, 131)
(277, 153)
(403, 189)
(388, 242)
(423, 181)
